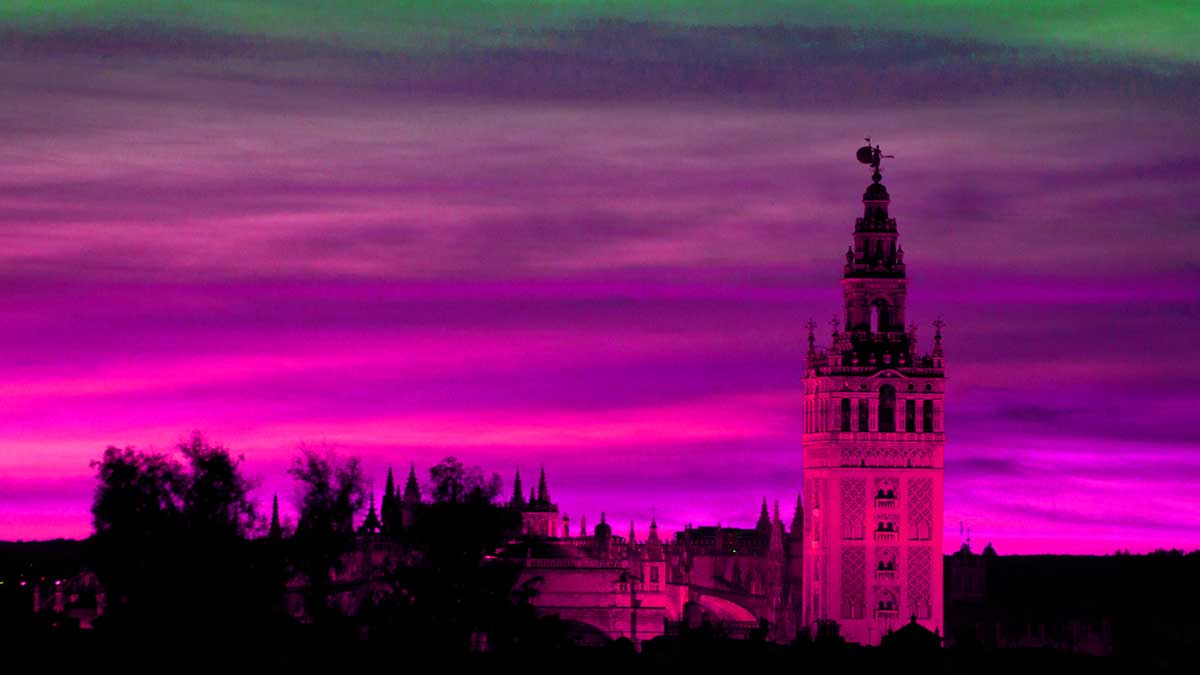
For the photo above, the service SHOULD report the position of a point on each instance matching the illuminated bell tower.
(873, 444)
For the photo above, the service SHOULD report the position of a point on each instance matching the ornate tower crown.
(873, 282)
(875, 252)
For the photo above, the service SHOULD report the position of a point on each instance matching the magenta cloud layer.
(614, 286)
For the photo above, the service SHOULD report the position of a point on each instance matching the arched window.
(887, 408)
(880, 317)
(920, 530)
(845, 414)
(927, 413)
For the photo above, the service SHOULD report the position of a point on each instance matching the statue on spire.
(872, 157)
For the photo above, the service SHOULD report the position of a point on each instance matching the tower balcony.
(885, 575)
(887, 613)
(888, 436)
(874, 224)
(885, 502)
(886, 535)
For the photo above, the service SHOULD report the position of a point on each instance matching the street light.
(628, 577)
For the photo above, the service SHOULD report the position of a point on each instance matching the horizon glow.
(588, 236)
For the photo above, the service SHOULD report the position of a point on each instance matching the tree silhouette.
(452, 589)
(171, 546)
(331, 491)
(137, 517)
(454, 483)
(216, 500)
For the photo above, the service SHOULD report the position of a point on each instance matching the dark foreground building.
(1098, 605)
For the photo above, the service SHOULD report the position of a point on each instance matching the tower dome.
(603, 529)
(876, 192)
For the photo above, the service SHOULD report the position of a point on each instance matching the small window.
(654, 574)
(928, 415)
(910, 415)
(863, 414)
(845, 414)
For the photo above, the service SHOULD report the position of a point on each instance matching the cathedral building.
(864, 546)
(873, 443)
(539, 515)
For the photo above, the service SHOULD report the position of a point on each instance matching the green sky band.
(1122, 29)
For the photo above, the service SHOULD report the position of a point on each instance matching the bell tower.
(873, 444)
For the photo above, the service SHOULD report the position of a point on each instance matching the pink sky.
(612, 286)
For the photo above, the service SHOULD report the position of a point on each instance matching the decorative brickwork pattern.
(854, 507)
(920, 508)
(902, 457)
(918, 581)
(853, 563)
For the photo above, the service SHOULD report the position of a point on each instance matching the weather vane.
(871, 156)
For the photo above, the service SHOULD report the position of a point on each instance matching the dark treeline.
(188, 566)
(193, 575)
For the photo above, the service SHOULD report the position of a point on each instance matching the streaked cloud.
(593, 243)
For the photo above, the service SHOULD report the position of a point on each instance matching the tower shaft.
(873, 450)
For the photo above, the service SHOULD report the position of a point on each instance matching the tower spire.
(371, 524)
(412, 491)
(776, 543)
(276, 532)
(874, 283)
(798, 516)
(387, 511)
(654, 548)
(763, 526)
(543, 492)
(518, 498)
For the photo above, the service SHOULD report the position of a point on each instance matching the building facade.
(607, 586)
(873, 446)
